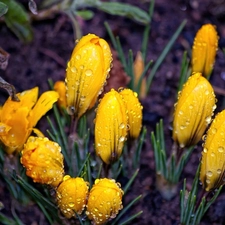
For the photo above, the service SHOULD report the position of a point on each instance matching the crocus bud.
(105, 201)
(72, 196)
(60, 87)
(139, 67)
(193, 111)
(204, 50)
(43, 160)
(86, 73)
(134, 111)
(213, 154)
(110, 127)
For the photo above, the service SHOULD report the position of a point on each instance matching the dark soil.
(46, 56)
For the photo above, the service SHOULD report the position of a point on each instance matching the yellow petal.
(27, 98)
(134, 111)
(60, 87)
(105, 201)
(86, 73)
(43, 161)
(43, 105)
(213, 154)
(204, 50)
(72, 196)
(193, 111)
(18, 133)
(110, 127)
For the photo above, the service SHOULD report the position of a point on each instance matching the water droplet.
(120, 89)
(181, 112)
(207, 181)
(33, 7)
(207, 92)
(209, 173)
(71, 204)
(71, 110)
(73, 69)
(88, 73)
(122, 125)
(182, 127)
(214, 130)
(78, 57)
(205, 150)
(221, 149)
(219, 171)
(213, 154)
(122, 139)
(208, 119)
(191, 106)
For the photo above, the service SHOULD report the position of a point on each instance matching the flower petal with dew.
(60, 87)
(43, 161)
(193, 111)
(110, 127)
(134, 111)
(105, 201)
(86, 73)
(17, 119)
(212, 173)
(204, 50)
(72, 196)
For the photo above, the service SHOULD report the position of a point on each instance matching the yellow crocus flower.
(134, 111)
(60, 87)
(17, 119)
(204, 50)
(43, 160)
(86, 73)
(193, 111)
(72, 196)
(212, 173)
(105, 201)
(110, 127)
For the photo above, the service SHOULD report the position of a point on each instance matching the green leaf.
(3, 9)
(122, 9)
(85, 14)
(18, 21)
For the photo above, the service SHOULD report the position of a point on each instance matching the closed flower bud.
(60, 87)
(134, 111)
(193, 111)
(72, 196)
(110, 127)
(86, 74)
(105, 201)
(212, 173)
(204, 50)
(43, 161)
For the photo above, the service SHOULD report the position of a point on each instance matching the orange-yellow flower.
(139, 67)
(72, 196)
(86, 74)
(204, 50)
(43, 161)
(105, 201)
(17, 119)
(60, 87)
(212, 171)
(193, 111)
(110, 127)
(134, 111)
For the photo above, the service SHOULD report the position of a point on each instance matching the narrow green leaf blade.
(122, 9)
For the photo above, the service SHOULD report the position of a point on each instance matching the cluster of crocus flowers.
(204, 50)
(43, 161)
(193, 111)
(17, 119)
(212, 173)
(86, 73)
(105, 201)
(118, 114)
